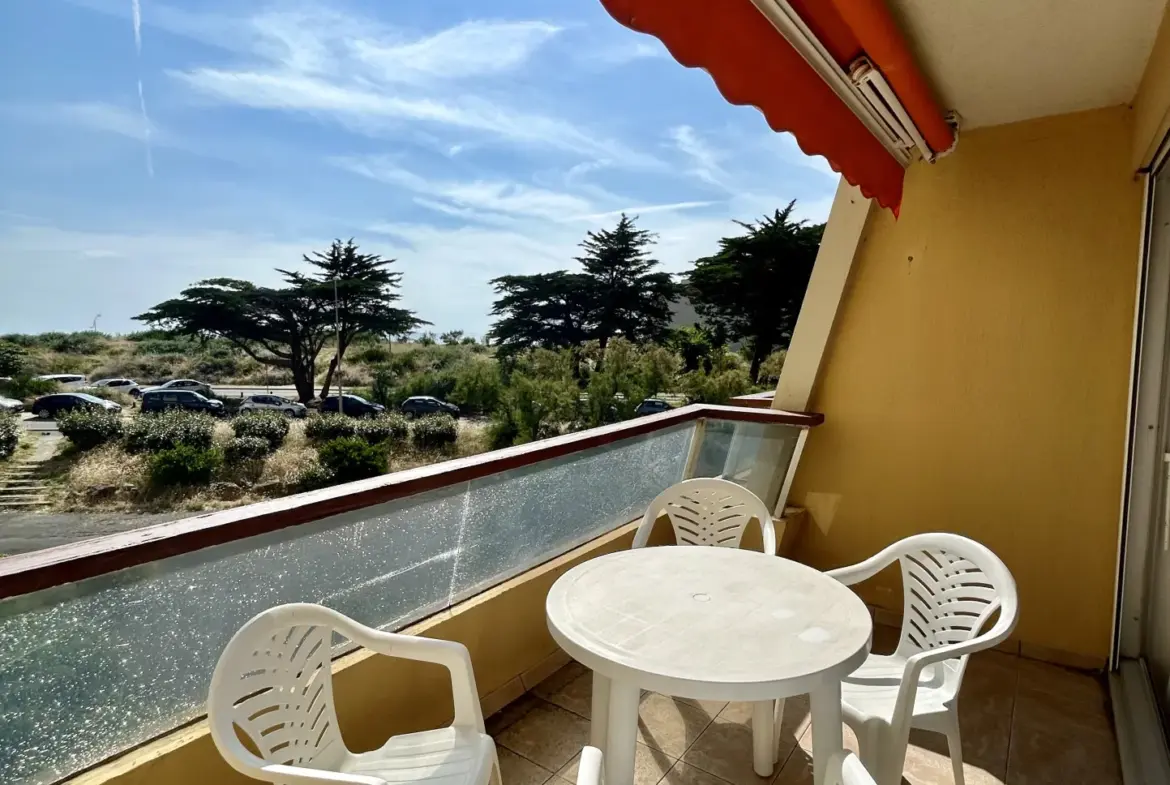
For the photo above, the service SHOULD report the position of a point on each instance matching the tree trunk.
(303, 378)
(757, 361)
(329, 377)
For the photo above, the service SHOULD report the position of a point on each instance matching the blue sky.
(146, 145)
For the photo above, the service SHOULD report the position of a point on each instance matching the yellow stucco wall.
(977, 374)
(1151, 105)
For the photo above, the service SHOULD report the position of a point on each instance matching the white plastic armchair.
(952, 586)
(708, 511)
(845, 768)
(273, 686)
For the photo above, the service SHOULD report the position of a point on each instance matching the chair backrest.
(708, 511)
(273, 686)
(952, 586)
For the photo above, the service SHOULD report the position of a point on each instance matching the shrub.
(313, 477)
(351, 459)
(329, 426)
(372, 355)
(383, 428)
(12, 359)
(435, 431)
(184, 465)
(270, 426)
(24, 387)
(246, 448)
(89, 428)
(9, 434)
(167, 430)
(478, 388)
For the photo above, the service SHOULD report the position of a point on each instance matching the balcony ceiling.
(1001, 61)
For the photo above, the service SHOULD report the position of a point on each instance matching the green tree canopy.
(366, 292)
(753, 287)
(545, 310)
(289, 326)
(630, 298)
(284, 327)
(618, 293)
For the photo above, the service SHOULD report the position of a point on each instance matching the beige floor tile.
(650, 765)
(986, 703)
(559, 679)
(507, 716)
(1051, 745)
(515, 770)
(792, 726)
(547, 735)
(711, 707)
(669, 724)
(724, 749)
(682, 774)
(1062, 687)
(928, 767)
(576, 695)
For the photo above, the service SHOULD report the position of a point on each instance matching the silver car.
(273, 403)
(10, 405)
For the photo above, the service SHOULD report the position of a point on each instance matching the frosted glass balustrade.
(90, 669)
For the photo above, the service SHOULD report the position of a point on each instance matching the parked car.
(157, 400)
(10, 405)
(128, 386)
(63, 379)
(652, 406)
(48, 406)
(267, 403)
(354, 406)
(203, 388)
(419, 405)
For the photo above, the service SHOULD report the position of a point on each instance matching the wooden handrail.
(42, 569)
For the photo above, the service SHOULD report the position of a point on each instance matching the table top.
(703, 622)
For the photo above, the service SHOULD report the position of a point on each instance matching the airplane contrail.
(136, 17)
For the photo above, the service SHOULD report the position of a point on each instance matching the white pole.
(337, 368)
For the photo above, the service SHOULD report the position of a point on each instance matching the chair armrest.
(450, 654)
(296, 775)
(768, 535)
(856, 573)
(589, 767)
(916, 662)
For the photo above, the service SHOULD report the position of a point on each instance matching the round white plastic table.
(708, 623)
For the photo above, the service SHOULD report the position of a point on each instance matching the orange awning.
(752, 64)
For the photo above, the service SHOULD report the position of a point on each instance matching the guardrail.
(86, 559)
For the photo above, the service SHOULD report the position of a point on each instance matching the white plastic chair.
(708, 511)
(845, 769)
(589, 770)
(273, 685)
(952, 586)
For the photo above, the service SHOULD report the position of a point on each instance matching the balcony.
(107, 645)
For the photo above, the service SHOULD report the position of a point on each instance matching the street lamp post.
(337, 368)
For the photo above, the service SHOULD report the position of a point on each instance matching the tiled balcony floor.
(1023, 723)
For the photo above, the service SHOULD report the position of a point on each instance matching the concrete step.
(14, 484)
(23, 504)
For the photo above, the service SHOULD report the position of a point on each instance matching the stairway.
(22, 486)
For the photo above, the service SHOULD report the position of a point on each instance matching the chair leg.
(955, 746)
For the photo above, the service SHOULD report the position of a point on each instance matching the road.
(236, 391)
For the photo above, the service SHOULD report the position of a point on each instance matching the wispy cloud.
(376, 80)
(471, 198)
(704, 160)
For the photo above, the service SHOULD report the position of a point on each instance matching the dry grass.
(292, 458)
(110, 479)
